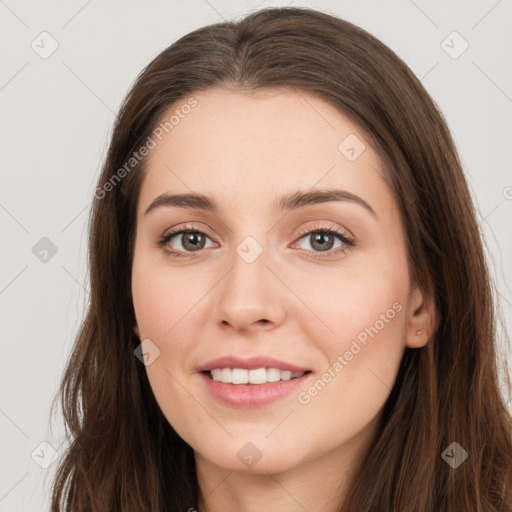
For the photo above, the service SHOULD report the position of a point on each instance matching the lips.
(251, 363)
(255, 394)
(252, 395)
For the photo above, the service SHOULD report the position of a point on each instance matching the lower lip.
(251, 395)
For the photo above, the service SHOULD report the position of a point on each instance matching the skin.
(247, 150)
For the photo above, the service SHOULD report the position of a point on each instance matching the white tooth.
(239, 376)
(216, 374)
(258, 376)
(226, 375)
(286, 375)
(273, 374)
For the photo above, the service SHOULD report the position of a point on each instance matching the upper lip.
(250, 363)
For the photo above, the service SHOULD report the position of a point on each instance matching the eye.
(322, 239)
(189, 238)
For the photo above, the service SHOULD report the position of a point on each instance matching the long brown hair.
(124, 455)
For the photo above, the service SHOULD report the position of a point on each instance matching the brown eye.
(324, 240)
(183, 242)
(321, 240)
(193, 240)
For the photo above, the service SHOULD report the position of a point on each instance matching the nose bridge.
(249, 292)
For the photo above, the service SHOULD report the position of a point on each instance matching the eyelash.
(349, 242)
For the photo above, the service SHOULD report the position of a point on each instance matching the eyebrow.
(292, 201)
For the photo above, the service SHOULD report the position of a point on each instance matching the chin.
(251, 457)
(261, 467)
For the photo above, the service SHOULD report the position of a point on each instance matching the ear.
(136, 331)
(421, 321)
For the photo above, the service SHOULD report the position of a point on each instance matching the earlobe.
(420, 319)
(136, 331)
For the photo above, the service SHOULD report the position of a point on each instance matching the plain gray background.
(57, 115)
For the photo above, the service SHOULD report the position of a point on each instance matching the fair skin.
(246, 151)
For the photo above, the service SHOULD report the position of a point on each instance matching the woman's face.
(261, 276)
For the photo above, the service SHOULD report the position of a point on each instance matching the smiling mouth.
(256, 377)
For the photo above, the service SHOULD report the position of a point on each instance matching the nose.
(250, 296)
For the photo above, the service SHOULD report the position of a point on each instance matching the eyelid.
(180, 228)
(323, 225)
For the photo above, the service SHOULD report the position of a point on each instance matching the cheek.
(360, 301)
(153, 307)
(163, 310)
(167, 306)
(161, 298)
(361, 362)
(370, 313)
(363, 321)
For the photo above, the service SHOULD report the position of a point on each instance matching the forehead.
(253, 145)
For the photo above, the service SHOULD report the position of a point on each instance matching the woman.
(290, 305)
